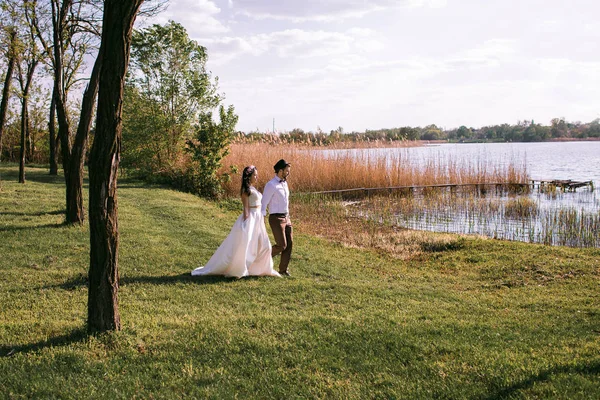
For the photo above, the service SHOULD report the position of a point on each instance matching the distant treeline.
(523, 131)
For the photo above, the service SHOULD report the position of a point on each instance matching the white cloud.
(200, 17)
(427, 3)
(419, 91)
(293, 43)
(492, 52)
(322, 10)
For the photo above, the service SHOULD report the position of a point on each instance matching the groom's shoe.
(284, 273)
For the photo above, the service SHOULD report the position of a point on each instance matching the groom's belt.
(279, 214)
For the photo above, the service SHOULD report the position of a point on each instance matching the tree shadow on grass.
(81, 280)
(171, 279)
(592, 368)
(139, 183)
(33, 214)
(32, 174)
(76, 335)
(24, 228)
(40, 177)
(442, 246)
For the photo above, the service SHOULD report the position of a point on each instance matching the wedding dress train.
(246, 250)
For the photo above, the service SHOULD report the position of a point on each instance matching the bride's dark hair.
(246, 175)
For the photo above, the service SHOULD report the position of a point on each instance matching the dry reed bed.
(316, 169)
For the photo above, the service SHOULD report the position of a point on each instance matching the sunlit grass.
(371, 311)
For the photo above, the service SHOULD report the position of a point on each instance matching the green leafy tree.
(559, 128)
(594, 128)
(463, 133)
(431, 132)
(208, 148)
(409, 133)
(167, 90)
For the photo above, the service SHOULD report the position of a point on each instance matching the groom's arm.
(266, 199)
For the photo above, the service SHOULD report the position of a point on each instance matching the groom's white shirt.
(275, 196)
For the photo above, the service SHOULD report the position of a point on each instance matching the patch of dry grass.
(333, 222)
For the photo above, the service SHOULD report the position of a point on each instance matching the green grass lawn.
(481, 319)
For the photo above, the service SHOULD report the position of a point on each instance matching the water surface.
(566, 218)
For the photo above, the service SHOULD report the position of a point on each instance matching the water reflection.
(555, 218)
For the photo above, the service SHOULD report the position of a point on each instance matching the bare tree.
(103, 311)
(10, 31)
(29, 58)
(25, 78)
(74, 27)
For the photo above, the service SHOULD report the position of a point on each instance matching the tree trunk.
(117, 26)
(53, 140)
(28, 140)
(25, 86)
(59, 20)
(23, 141)
(75, 211)
(6, 89)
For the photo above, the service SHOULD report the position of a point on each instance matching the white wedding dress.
(246, 250)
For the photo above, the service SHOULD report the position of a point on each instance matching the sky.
(372, 64)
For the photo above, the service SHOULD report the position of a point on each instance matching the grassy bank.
(442, 317)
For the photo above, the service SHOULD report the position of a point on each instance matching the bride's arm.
(246, 204)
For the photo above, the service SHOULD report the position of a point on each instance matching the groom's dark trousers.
(283, 234)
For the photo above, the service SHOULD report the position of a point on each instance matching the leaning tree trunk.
(75, 210)
(53, 140)
(117, 26)
(6, 89)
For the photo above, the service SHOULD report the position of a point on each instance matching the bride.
(247, 249)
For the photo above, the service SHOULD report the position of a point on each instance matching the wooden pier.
(563, 185)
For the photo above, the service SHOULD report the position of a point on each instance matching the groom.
(276, 197)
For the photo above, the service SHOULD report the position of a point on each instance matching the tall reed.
(315, 169)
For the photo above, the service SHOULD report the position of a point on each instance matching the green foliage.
(170, 68)
(168, 87)
(431, 132)
(145, 146)
(208, 148)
